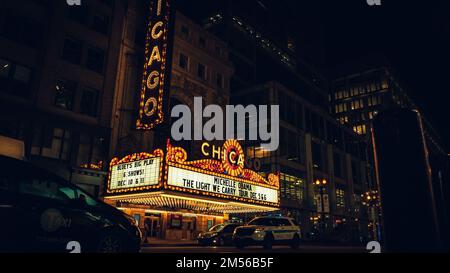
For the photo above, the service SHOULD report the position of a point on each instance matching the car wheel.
(268, 241)
(295, 242)
(110, 242)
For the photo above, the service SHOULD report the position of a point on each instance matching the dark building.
(269, 69)
(357, 97)
(57, 73)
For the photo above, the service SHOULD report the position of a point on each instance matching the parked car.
(219, 235)
(268, 231)
(42, 212)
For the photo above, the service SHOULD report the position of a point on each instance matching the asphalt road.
(252, 249)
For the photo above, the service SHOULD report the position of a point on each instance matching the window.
(202, 42)
(185, 31)
(51, 143)
(229, 228)
(15, 79)
(72, 50)
(360, 129)
(183, 62)
(65, 92)
(356, 172)
(292, 187)
(91, 149)
(218, 51)
(262, 222)
(257, 152)
(46, 188)
(293, 151)
(281, 222)
(21, 74)
(95, 60)
(100, 23)
(201, 71)
(317, 156)
(85, 199)
(340, 198)
(219, 80)
(337, 165)
(89, 101)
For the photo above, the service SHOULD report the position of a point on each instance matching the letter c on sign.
(155, 26)
(204, 145)
(232, 157)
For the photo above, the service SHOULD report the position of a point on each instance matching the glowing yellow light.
(193, 199)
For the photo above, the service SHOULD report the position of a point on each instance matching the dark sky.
(413, 35)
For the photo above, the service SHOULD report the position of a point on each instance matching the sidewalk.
(169, 243)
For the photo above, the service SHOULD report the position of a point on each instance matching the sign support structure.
(155, 86)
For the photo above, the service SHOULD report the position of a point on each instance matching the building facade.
(57, 72)
(357, 97)
(313, 147)
(200, 68)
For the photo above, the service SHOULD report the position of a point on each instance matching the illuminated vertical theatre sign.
(156, 80)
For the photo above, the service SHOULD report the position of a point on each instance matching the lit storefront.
(181, 197)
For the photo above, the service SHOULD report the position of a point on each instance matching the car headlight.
(259, 230)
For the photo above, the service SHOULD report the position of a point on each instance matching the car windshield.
(217, 228)
(260, 222)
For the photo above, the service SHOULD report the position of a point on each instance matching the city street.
(251, 249)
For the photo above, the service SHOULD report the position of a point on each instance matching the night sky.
(414, 36)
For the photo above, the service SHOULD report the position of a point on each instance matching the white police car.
(268, 231)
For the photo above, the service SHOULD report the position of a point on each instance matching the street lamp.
(370, 199)
(321, 184)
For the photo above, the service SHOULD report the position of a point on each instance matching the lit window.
(65, 92)
(292, 187)
(340, 198)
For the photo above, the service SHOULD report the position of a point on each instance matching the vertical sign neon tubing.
(153, 104)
